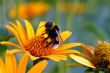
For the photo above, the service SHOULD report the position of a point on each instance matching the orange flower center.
(39, 46)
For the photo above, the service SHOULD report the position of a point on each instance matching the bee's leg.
(44, 32)
(46, 38)
(56, 42)
(48, 44)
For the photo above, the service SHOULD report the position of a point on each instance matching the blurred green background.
(89, 20)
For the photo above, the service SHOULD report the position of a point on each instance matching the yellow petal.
(9, 43)
(62, 57)
(19, 32)
(22, 28)
(41, 28)
(13, 51)
(74, 64)
(22, 32)
(65, 35)
(39, 67)
(68, 52)
(54, 57)
(66, 46)
(33, 57)
(82, 60)
(23, 63)
(10, 61)
(30, 30)
(15, 33)
(14, 26)
(2, 66)
(88, 51)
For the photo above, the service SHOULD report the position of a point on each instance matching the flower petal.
(13, 51)
(15, 34)
(88, 51)
(39, 67)
(2, 66)
(33, 57)
(11, 64)
(53, 57)
(22, 32)
(41, 28)
(30, 30)
(82, 60)
(66, 46)
(56, 58)
(62, 57)
(19, 32)
(74, 64)
(68, 52)
(9, 43)
(65, 35)
(23, 63)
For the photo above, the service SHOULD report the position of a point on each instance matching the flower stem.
(69, 26)
(3, 11)
(61, 68)
(102, 71)
(17, 8)
(37, 61)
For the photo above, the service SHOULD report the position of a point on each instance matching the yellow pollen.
(102, 55)
(38, 46)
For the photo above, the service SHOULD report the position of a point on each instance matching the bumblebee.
(52, 31)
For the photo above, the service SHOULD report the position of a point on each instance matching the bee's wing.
(59, 37)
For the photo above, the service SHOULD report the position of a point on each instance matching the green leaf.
(88, 70)
(37, 61)
(2, 49)
(4, 34)
(91, 27)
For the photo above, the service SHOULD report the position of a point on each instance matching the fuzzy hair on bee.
(52, 30)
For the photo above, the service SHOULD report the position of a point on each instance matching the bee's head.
(48, 25)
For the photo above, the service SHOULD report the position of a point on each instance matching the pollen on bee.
(45, 35)
(49, 40)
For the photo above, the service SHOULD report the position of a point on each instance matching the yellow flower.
(29, 10)
(10, 65)
(79, 8)
(34, 42)
(76, 8)
(98, 57)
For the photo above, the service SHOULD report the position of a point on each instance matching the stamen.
(38, 46)
(102, 55)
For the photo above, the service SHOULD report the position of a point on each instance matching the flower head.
(98, 57)
(102, 55)
(10, 65)
(76, 8)
(29, 10)
(36, 43)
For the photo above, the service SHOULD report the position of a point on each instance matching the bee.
(52, 31)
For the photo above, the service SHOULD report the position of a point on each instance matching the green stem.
(3, 11)
(61, 68)
(57, 16)
(69, 26)
(37, 61)
(17, 8)
(102, 71)
(69, 17)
